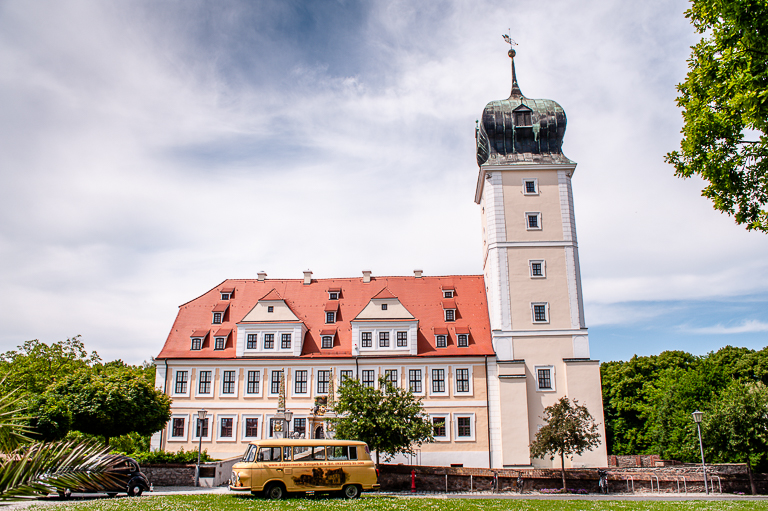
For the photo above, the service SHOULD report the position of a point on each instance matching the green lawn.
(208, 502)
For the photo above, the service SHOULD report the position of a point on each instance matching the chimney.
(262, 275)
(417, 273)
(307, 277)
(366, 276)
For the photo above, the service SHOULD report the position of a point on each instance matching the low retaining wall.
(183, 474)
(732, 478)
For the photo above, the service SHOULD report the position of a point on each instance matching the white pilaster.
(497, 274)
(494, 414)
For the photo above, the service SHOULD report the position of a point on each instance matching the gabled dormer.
(270, 328)
(384, 327)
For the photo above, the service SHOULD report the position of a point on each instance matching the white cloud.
(746, 326)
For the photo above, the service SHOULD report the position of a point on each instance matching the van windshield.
(250, 453)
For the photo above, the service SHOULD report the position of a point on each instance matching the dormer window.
(333, 296)
(448, 293)
(197, 343)
(218, 313)
(218, 343)
(330, 317)
(522, 117)
(462, 340)
(226, 293)
(441, 341)
(383, 306)
(450, 314)
(225, 296)
(326, 342)
(270, 308)
(217, 316)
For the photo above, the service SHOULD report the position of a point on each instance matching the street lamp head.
(697, 416)
(202, 413)
(288, 415)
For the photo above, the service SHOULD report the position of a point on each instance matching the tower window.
(545, 378)
(540, 312)
(537, 268)
(533, 221)
(530, 186)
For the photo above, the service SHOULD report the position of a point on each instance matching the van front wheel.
(275, 491)
(351, 491)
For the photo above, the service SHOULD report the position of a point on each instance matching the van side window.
(318, 452)
(269, 454)
(338, 453)
(301, 453)
(286, 454)
(352, 452)
(250, 453)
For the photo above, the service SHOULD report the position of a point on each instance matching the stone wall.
(170, 474)
(732, 478)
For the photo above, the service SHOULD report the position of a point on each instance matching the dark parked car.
(126, 477)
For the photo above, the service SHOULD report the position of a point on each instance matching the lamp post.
(200, 418)
(697, 416)
(287, 416)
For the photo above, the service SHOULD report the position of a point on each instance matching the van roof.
(304, 441)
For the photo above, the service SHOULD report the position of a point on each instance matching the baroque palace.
(487, 353)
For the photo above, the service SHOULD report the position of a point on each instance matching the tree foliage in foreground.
(28, 469)
(725, 108)
(568, 429)
(389, 419)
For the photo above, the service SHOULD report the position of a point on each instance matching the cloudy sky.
(150, 150)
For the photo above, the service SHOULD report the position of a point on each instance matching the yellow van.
(280, 466)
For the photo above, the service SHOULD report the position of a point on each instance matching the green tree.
(725, 108)
(112, 405)
(390, 421)
(36, 365)
(569, 429)
(736, 427)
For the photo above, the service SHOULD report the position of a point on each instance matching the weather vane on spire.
(509, 40)
(512, 44)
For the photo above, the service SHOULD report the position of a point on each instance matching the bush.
(170, 457)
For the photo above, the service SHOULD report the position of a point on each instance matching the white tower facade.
(532, 277)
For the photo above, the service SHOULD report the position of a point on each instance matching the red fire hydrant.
(413, 481)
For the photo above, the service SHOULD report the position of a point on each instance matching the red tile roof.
(332, 306)
(227, 289)
(422, 297)
(384, 293)
(462, 329)
(327, 331)
(221, 332)
(441, 330)
(272, 295)
(221, 307)
(449, 304)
